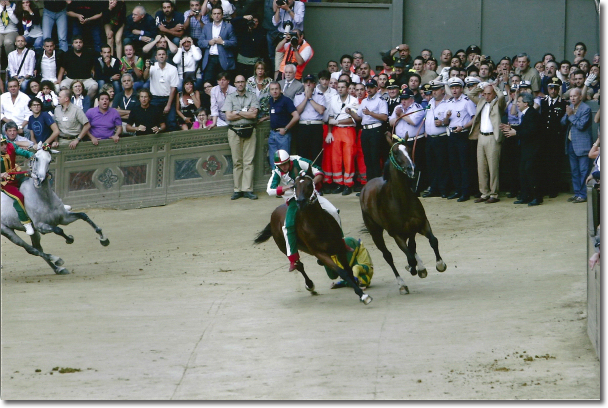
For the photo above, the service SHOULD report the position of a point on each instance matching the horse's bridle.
(313, 197)
(394, 161)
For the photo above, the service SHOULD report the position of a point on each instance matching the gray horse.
(46, 210)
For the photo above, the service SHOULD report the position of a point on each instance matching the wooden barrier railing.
(151, 170)
(593, 274)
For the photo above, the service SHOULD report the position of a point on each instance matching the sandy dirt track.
(181, 305)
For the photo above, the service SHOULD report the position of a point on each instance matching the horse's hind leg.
(310, 286)
(71, 217)
(46, 228)
(378, 238)
(427, 232)
(36, 244)
(51, 260)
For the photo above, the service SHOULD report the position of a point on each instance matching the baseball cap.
(399, 64)
(406, 93)
(309, 77)
(371, 83)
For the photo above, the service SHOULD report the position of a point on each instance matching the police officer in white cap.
(459, 119)
(470, 83)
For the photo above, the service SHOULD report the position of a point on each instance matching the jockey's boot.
(293, 261)
(29, 230)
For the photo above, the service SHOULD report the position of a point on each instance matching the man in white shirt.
(186, 59)
(346, 61)
(163, 86)
(13, 108)
(21, 63)
(218, 97)
(49, 63)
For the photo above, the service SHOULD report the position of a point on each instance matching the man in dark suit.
(578, 143)
(552, 109)
(140, 28)
(291, 86)
(528, 133)
(218, 41)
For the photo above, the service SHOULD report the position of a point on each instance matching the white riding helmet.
(280, 157)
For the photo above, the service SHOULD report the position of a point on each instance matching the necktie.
(286, 85)
(551, 102)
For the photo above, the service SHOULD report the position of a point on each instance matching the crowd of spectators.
(110, 73)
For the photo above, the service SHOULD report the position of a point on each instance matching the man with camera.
(295, 51)
(241, 108)
(193, 20)
(250, 43)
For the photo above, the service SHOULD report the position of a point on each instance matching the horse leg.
(310, 286)
(411, 245)
(403, 245)
(347, 276)
(427, 232)
(46, 228)
(71, 217)
(378, 238)
(36, 244)
(15, 239)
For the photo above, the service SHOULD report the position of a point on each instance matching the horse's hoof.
(105, 242)
(408, 268)
(366, 299)
(422, 273)
(411, 270)
(69, 239)
(403, 290)
(311, 289)
(441, 266)
(62, 271)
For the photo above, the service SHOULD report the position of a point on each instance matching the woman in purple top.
(105, 121)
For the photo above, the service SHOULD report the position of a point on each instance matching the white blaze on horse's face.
(410, 164)
(39, 166)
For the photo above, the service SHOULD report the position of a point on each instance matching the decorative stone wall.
(144, 171)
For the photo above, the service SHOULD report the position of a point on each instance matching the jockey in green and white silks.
(282, 183)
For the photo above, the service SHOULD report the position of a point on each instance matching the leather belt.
(344, 126)
(487, 134)
(373, 125)
(240, 127)
(311, 122)
(441, 134)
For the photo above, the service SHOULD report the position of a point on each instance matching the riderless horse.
(318, 233)
(45, 209)
(388, 203)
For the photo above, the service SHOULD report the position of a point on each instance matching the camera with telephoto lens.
(294, 39)
(251, 23)
(196, 12)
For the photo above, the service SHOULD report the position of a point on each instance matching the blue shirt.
(41, 126)
(280, 112)
(160, 18)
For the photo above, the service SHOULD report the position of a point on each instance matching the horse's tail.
(264, 235)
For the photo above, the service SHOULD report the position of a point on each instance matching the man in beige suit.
(486, 129)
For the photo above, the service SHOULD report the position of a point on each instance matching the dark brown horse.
(388, 203)
(318, 234)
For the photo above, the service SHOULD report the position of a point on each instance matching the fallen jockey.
(12, 179)
(360, 262)
(281, 183)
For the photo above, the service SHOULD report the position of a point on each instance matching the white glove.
(590, 79)
(332, 121)
(329, 138)
(482, 85)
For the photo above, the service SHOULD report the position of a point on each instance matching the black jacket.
(59, 56)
